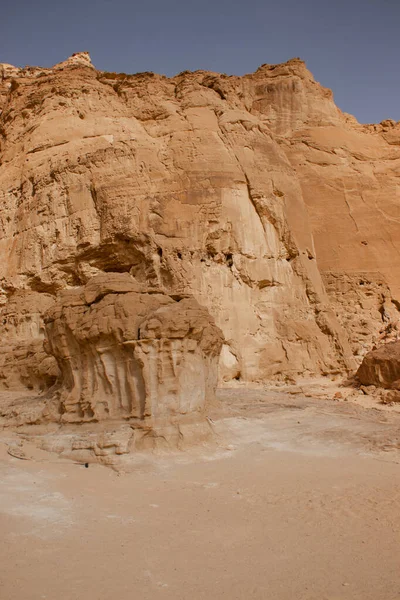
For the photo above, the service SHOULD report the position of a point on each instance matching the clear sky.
(351, 46)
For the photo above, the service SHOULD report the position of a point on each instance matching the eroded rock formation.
(365, 308)
(126, 352)
(199, 185)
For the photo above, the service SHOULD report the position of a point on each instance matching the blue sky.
(351, 46)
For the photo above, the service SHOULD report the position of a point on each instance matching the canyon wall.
(254, 194)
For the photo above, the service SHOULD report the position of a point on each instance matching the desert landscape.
(200, 338)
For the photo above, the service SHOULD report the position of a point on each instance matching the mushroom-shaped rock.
(131, 354)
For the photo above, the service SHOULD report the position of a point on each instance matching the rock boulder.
(381, 367)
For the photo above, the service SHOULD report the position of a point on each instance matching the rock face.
(125, 352)
(23, 360)
(196, 185)
(349, 179)
(365, 308)
(348, 175)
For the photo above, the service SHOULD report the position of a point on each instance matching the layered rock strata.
(245, 192)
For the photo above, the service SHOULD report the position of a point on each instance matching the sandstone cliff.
(254, 194)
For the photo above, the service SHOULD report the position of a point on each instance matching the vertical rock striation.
(125, 352)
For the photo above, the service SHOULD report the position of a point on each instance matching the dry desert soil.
(297, 498)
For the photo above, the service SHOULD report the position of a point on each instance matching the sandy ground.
(298, 500)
